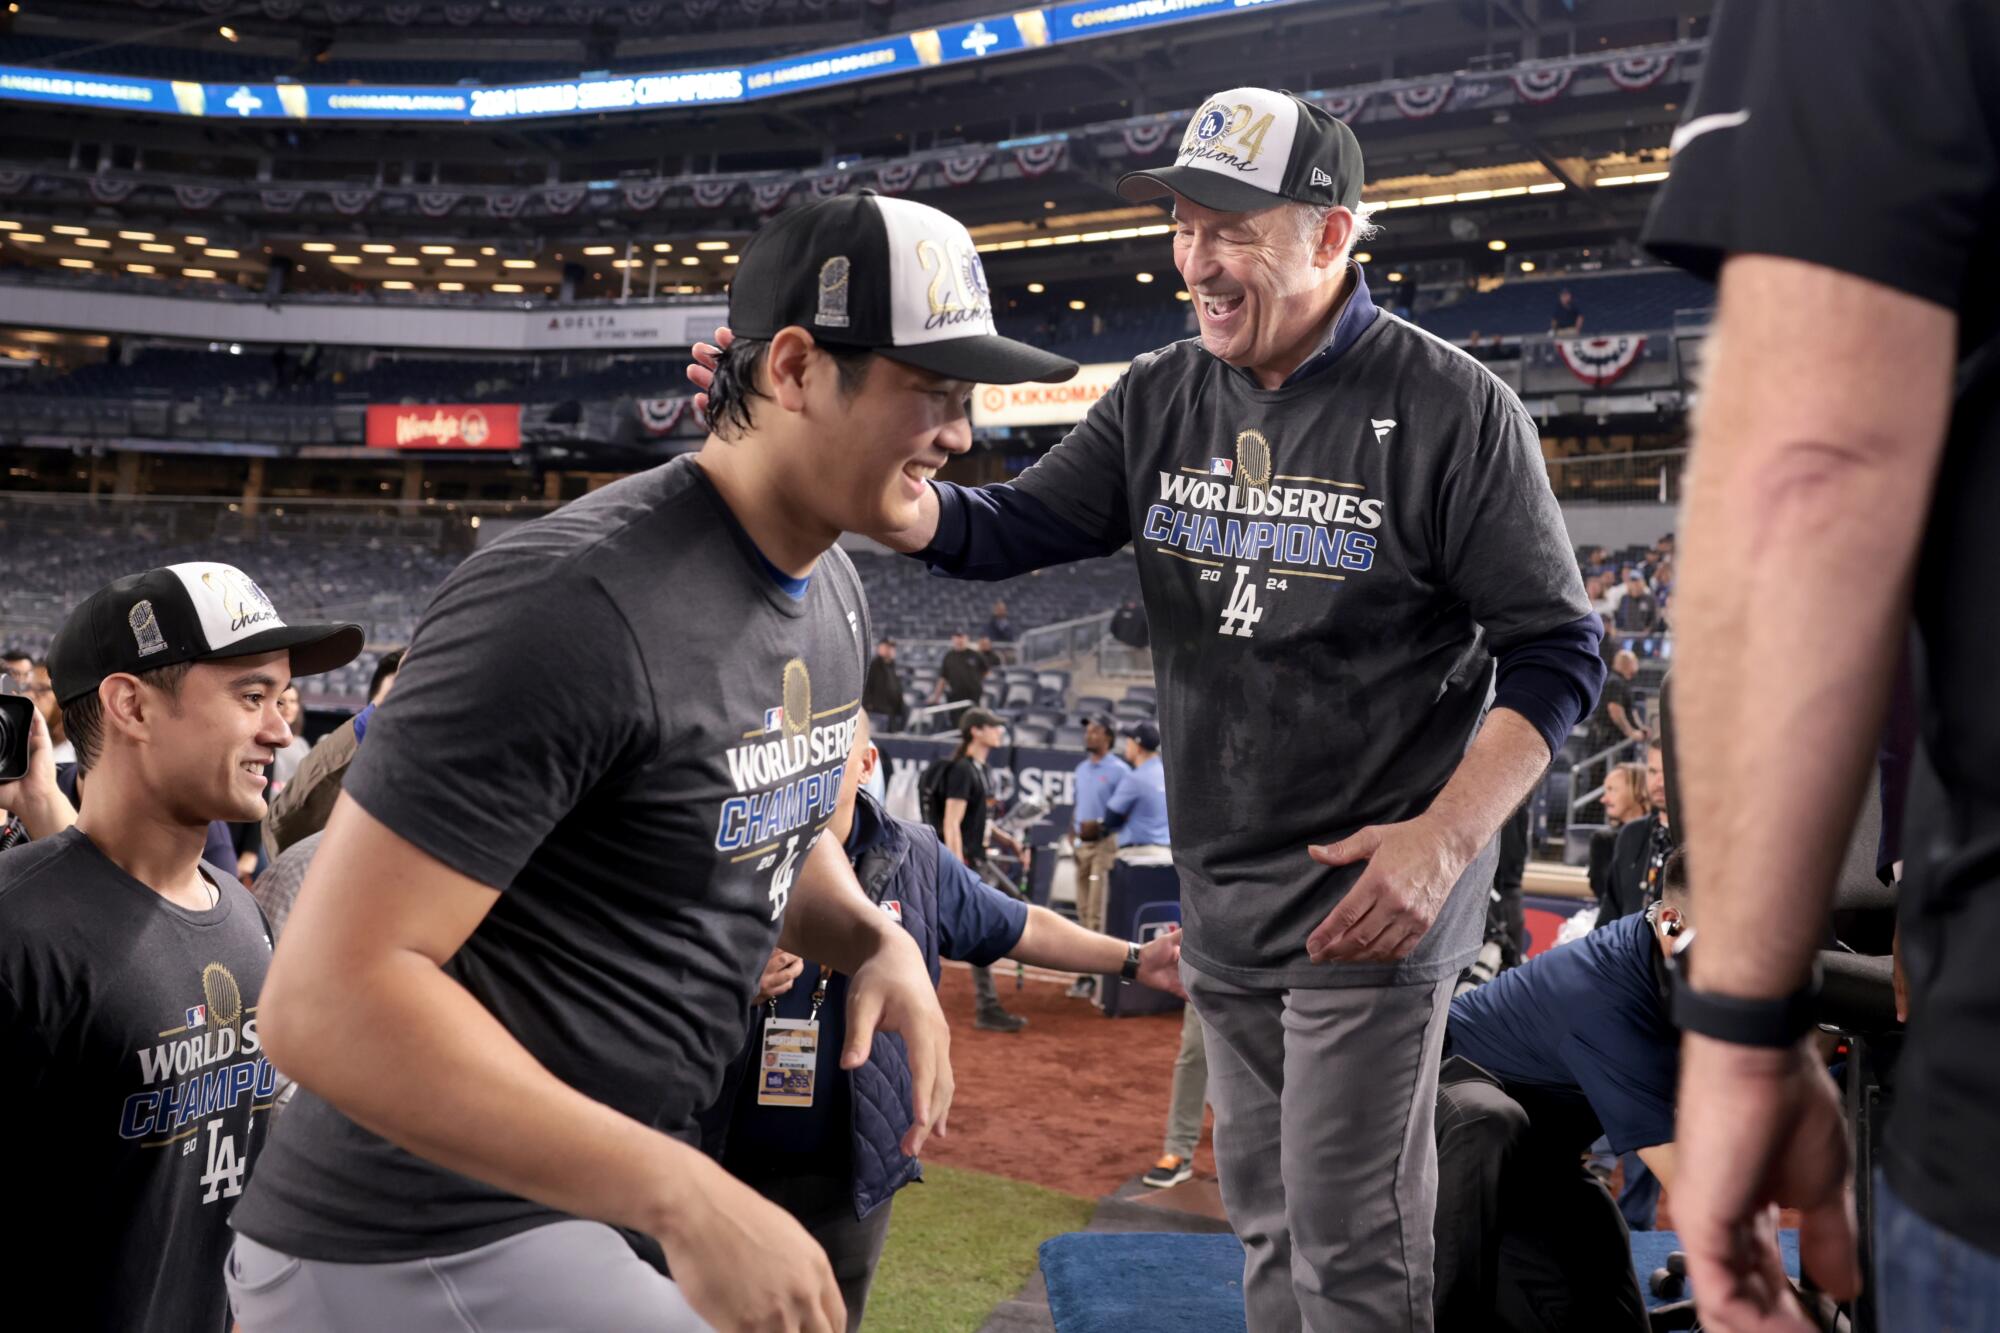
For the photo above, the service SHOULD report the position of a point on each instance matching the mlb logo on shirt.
(1221, 467)
(895, 911)
(197, 1016)
(774, 719)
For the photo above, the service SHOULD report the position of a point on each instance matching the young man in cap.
(1342, 526)
(526, 947)
(130, 970)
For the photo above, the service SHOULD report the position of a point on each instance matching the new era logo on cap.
(1320, 177)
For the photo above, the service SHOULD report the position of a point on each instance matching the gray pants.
(1324, 1108)
(566, 1275)
(1190, 1092)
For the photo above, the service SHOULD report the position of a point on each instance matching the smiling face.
(1254, 278)
(884, 443)
(205, 747)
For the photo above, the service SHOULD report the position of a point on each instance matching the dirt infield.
(1075, 1102)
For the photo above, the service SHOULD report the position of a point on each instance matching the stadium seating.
(1626, 302)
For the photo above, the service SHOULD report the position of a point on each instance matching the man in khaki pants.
(1096, 847)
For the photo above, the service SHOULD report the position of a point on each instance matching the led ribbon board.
(930, 47)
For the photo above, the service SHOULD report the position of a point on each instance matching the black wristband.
(1131, 969)
(1744, 1022)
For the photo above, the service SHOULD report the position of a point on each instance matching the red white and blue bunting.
(659, 416)
(438, 203)
(1537, 86)
(714, 194)
(281, 201)
(964, 170)
(196, 197)
(1344, 106)
(1600, 361)
(13, 182)
(1423, 102)
(111, 189)
(506, 203)
(769, 196)
(644, 196)
(351, 202)
(827, 185)
(1639, 72)
(1146, 139)
(562, 200)
(897, 177)
(1039, 159)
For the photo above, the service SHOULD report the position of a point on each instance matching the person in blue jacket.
(822, 1143)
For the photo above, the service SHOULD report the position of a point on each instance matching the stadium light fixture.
(397, 285)
(711, 245)
(1395, 277)
(488, 251)
(1076, 305)
(376, 248)
(461, 263)
(1142, 277)
(318, 247)
(343, 259)
(8, 224)
(451, 286)
(600, 249)
(92, 243)
(1527, 266)
(197, 273)
(157, 248)
(1641, 178)
(140, 268)
(517, 263)
(403, 261)
(216, 253)
(29, 237)
(439, 249)
(195, 240)
(1036, 288)
(125, 235)
(70, 231)
(227, 33)
(507, 287)
(79, 263)
(1363, 257)
(1547, 187)
(732, 259)
(690, 259)
(664, 248)
(1496, 244)
(1182, 296)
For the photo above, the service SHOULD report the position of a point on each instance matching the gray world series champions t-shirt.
(614, 716)
(1328, 568)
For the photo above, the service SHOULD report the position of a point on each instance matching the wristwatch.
(1131, 968)
(1774, 1023)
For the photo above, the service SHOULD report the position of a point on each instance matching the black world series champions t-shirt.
(614, 716)
(137, 1090)
(1866, 139)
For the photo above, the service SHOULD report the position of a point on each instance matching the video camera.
(17, 724)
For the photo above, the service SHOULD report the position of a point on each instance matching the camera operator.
(1539, 1062)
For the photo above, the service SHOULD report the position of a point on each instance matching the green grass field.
(961, 1243)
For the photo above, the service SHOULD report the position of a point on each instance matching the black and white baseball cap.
(196, 612)
(1252, 148)
(894, 277)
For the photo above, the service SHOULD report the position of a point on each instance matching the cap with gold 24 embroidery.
(1252, 148)
(895, 277)
(194, 612)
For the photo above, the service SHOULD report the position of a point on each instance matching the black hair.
(83, 717)
(16, 655)
(735, 382)
(391, 663)
(1674, 876)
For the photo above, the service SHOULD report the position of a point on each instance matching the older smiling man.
(1341, 524)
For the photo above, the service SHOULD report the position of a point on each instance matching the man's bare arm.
(954, 826)
(1818, 442)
